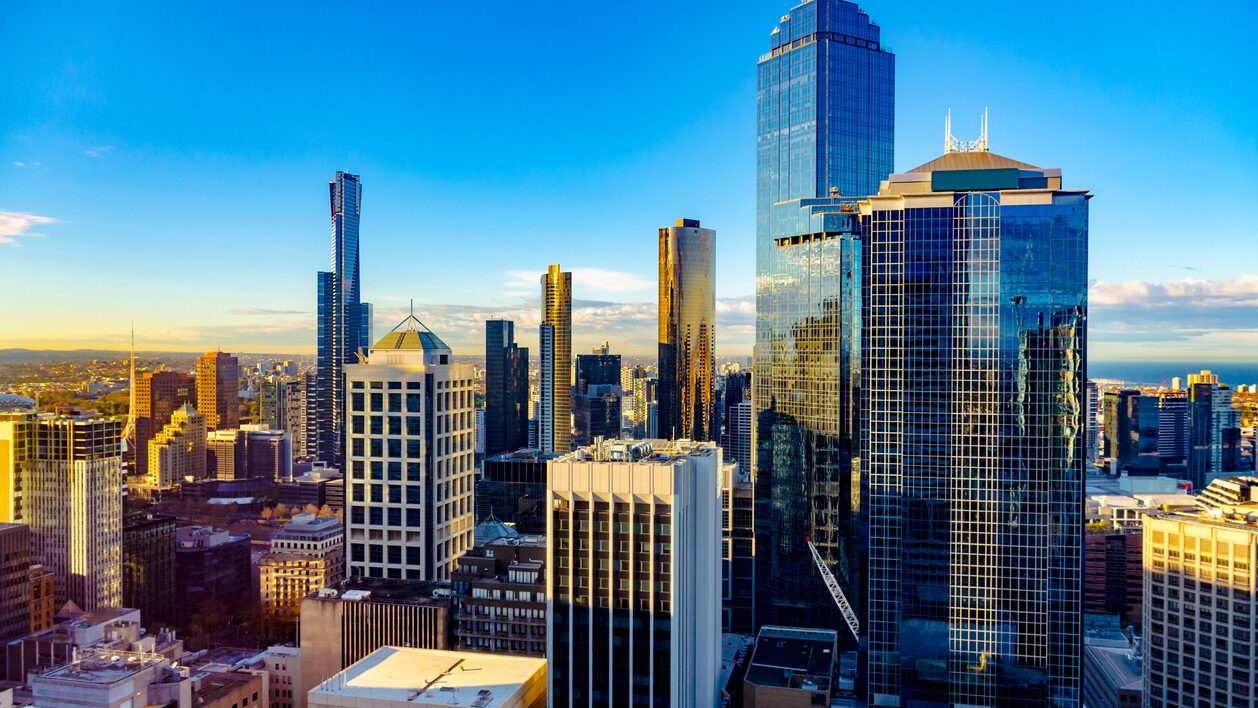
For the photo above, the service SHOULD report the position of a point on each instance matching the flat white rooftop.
(426, 678)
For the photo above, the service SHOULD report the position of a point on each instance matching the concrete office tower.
(1173, 430)
(178, 451)
(299, 416)
(1214, 430)
(738, 435)
(634, 574)
(825, 124)
(218, 390)
(148, 567)
(738, 538)
(555, 414)
(974, 373)
(1200, 599)
(15, 581)
(411, 471)
(344, 322)
(501, 589)
(506, 389)
(687, 333)
(307, 554)
(249, 452)
(158, 394)
(73, 503)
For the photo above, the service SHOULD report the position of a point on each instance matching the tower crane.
(835, 591)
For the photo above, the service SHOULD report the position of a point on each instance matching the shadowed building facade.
(506, 389)
(824, 124)
(687, 337)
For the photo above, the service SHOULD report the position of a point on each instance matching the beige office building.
(178, 451)
(409, 452)
(306, 555)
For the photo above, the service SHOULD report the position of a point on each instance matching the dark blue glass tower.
(344, 326)
(825, 125)
(974, 377)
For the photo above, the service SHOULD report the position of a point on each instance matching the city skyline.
(184, 181)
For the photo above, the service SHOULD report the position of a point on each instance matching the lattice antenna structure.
(951, 144)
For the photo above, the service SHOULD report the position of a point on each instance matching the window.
(356, 400)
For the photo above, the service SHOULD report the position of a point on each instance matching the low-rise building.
(43, 601)
(500, 589)
(282, 664)
(422, 678)
(1111, 671)
(309, 489)
(15, 585)
(791, 667)
(109, 629)
(307, 554)
(214, 570)
(344, 624)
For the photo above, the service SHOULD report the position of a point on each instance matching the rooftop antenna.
(128, 433)
(951, 144)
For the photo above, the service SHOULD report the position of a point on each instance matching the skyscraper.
(506, 389)
(687, 336)
(599, 369)
(72, 500)
(1214, 430)
(410, 453)
(633, 576)
(218, 390)
(825, 124)
(158, 394)
(344, 327)
(974, 369)
(555, 417)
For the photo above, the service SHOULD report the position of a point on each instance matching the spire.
(128, 433)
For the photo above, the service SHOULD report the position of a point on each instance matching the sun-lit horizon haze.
(167, 165)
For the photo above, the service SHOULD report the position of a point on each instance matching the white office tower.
(409, 452)
(633, 588)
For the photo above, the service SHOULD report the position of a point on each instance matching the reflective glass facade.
(825, 121)
(341, 331)
(687, 333)
(973, 371)
(555, 337)
(506, 389)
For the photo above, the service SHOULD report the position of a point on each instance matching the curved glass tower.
(687, 333)
(825, 124)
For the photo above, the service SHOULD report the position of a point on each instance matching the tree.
(267, 513)
(326, 510)
(310, 509)
(281, 511)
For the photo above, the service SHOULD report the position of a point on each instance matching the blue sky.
(173, 159)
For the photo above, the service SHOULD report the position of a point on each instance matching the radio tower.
(128, 433)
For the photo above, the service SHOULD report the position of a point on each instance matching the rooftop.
(362, 589)
(413, 334)
(425, 677)
(102, 667)
(492, 529)
(790, 657)
(1119, 664)
(213, 685)
(978, 160)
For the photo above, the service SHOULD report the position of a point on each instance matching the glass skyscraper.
(344, 326)
(973, 445)
(506, 389)
(825, 123)
(687, 333)
(555, 339)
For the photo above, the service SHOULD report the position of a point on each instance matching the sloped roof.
(492, 529)
(972, 161)
(410, 339)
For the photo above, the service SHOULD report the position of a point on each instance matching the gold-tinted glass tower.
(555, 419)
(687, 341)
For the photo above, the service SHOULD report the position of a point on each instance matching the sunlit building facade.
(687, 333)
(218, 390)
(555, 335)
(825, 124)
(973, 370)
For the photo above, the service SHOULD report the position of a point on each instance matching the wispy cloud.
(98, 150)
(19, 163)
(592, 278)
(264, 311)
(15, 223)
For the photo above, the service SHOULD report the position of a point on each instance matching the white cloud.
(591, 278)
(1233, 292)
(14, 223)
(18, 163)
(96, 151)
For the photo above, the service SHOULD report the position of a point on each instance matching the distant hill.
(43, 356)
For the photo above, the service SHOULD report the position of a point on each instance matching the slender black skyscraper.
(825, 94)
(344, 327)
(506, 389)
